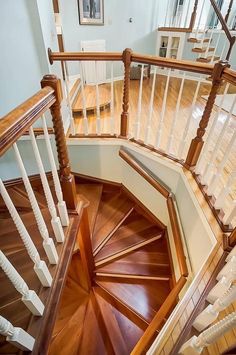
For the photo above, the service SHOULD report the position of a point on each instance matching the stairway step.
(112, 326)
(112, 212)
(197, 40)
(146, 263)
(135, 232)
(208, 59)
(202, 49)
(20, 201)
(143, 297)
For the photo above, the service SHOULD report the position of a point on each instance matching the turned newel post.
(66, 178)
(197, 143)
(194, 14)
(126, 57)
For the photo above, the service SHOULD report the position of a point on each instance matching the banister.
(230, 76)
(145, 341)
(18, 121)
(85, 56)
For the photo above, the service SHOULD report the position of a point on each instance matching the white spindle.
(16, 336)
(40, 266)
(215, 120)
(216, 47)
(56, 223)
(112, 119)
(199, 20)
(224, 283)
(85, 118)
(172, 129)
(29, 297)
(216, 177)
(48, 243)
(208, 171)
(228, 218)
(220, 200)
(195, 345)
(163, 110)
(183, 140)
(149, 121)
(72, 123)
(177, 13)
(61, 203)
(187, 13)
(209, 43)
(167, 12)
(98, 114)
(210, 314)
(227, 268)
(138, 122)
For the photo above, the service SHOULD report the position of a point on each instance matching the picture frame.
(91, 12)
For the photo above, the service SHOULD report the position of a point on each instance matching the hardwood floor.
(129, 286)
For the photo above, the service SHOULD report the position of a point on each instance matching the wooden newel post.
(66, 178)
(127, 54)
(194, 14)
(197, 143)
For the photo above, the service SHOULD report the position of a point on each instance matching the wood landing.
(132, 277)
(90, 95)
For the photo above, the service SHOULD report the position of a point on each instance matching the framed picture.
(91, 12)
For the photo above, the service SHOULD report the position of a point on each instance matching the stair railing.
(145, 116)
(12, 127)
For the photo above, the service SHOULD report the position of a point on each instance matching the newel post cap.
(55, 83)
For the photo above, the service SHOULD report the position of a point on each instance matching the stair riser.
(138, 277)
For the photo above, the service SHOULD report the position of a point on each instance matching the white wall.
(118, 32)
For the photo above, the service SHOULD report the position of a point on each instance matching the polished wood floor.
(185, 109)
(133, 276)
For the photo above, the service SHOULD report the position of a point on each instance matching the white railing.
(177, 14)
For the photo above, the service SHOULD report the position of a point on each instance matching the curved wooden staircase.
(131, 279)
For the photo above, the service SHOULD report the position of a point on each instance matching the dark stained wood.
(144, 172)
(197, 143)
(34, 179)
(124, 124)
(66, 178)
(230, 76)
(167, 306)
(85, 179)
(112, 211)
(86, 251)
(229, 10)
(135, 232)
(150, 294)
(177, 237)
(77, 56)
(18, 121)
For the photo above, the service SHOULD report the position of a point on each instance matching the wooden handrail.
(230, 76)
(76, 56)
(232, 238)
(224, 27)
(161, 187)
(177, 237)
(18, 121)
(185, 65)
(145, 341)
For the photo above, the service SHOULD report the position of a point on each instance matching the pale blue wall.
(118, 32)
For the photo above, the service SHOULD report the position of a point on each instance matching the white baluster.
(149, 121)
(210, 314)
(112, 120)
(56, 223)
(195, 345)
(183, 140)
(48, 243)
(227, 268)
(98, 114)
(163, 110)
(230, 215)
(29, 297)
(172, 130)
(220, 200)
(216, 47)
(72, 123)
(223, 50)
(61, 203)
(137, 124)
(187, 13)
(40, 266)
(199, 20)
(85, 118)
(209, 43)
(208, 171)
(215, 120)
(216, 177)
(16, 336)
(177, 13)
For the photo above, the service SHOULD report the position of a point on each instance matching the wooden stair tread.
(93, 193)
(149, 261)
(144, 297)
(111, 212)
(202, 49)
(135, 230)
(112, 326)
(20, 202)
(208, 59)
(197, 40)
(90, 94)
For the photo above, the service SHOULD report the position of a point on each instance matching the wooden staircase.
(133, 276)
